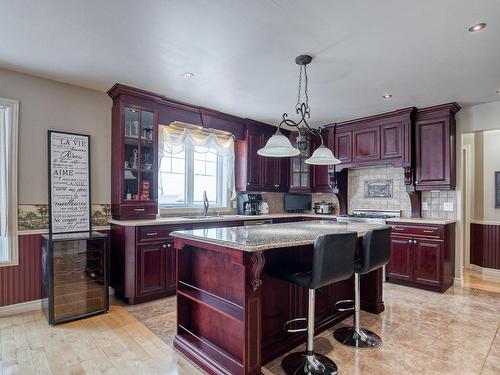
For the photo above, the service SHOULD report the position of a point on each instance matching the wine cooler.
(74, 276)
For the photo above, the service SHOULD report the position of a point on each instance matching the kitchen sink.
(197, 217)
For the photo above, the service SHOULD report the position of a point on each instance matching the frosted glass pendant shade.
(278, 146)
(322, 156)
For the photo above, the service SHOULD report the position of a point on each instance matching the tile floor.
(423, 332)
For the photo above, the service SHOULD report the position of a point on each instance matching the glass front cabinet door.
(136, 195)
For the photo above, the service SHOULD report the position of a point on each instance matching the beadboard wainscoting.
(485, 244)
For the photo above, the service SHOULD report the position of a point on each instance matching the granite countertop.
(185, 220)
(271, 236)
(421, 220)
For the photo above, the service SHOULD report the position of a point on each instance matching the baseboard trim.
(489, 272)
(458, 281)
(20, 307)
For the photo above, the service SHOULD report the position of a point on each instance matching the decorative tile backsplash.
(36, 216)
(439, 204)
(359, 178)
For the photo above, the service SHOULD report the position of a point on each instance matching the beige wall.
(491, 163)
(44, 105)
(476, 118)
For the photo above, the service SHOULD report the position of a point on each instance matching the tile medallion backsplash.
(389, 191)
(36, 216)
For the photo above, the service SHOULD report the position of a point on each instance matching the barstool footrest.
(345, 301)
(297, 329)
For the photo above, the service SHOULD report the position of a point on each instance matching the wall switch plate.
(448, 206)
(425, 206)
(234, 204)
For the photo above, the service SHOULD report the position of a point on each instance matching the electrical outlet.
(425, 206)
(448, 206)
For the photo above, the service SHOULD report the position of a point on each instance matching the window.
(192, 162)
(8, 181)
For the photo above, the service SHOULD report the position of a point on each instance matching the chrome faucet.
(205, 203)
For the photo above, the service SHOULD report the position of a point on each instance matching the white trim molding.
(12, 176)
(22, 307)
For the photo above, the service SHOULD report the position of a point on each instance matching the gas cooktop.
(369, 216)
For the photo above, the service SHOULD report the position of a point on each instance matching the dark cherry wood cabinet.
(366, 144)
(151, 269)
(310, 178)
(143, 261)
(254, 172)
(376, 140)
(134, 159)
(343, 146)
(300, 172)
(401, 266)
(435, 147)
(422, 255)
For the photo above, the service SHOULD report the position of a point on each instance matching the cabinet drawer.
(420, 230)
(158, 232)
(138, 211)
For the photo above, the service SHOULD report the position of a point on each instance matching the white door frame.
(467, 192)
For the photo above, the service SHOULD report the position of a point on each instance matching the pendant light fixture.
(280, 146)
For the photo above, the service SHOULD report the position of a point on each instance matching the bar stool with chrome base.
(333, 260)
(375, 252)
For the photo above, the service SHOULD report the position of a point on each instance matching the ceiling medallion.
(280, 146)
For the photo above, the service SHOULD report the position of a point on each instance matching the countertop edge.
(179, 220)
(422, 221)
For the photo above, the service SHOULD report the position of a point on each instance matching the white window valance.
(174, 140)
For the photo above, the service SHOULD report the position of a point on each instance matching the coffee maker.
(249, 204)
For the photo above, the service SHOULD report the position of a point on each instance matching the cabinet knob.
(164, 246)
(169, 245)
(410, 241)
(248, 183)
(414, 241)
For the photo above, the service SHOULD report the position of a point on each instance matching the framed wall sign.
(497, 189)
(378, 189)
(69, 182)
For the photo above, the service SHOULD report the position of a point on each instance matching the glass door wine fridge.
(74, 276)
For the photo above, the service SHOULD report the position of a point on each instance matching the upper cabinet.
(375, 140)
(435, 147)
(254, 172)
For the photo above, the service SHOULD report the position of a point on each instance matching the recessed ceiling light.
(387, 96)
(188, 75)
(498, 91)
(477, 27)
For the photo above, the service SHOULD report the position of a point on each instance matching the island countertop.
(271, 236)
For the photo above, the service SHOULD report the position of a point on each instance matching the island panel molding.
(230, 319)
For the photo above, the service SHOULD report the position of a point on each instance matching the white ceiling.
(242, 52)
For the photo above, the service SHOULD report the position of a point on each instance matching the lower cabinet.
(143, 259)
(152, 268)
(422, 256)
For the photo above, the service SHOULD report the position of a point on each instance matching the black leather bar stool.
(375, 252)
(333, 260)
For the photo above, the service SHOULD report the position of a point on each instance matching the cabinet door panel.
(391, 141)
(431, 153)
(366, 144)
(427, 262)
(151, 269)
(343, 150)
(400, 265)
(254, 177)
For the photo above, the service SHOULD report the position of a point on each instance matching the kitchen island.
(230, 313)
